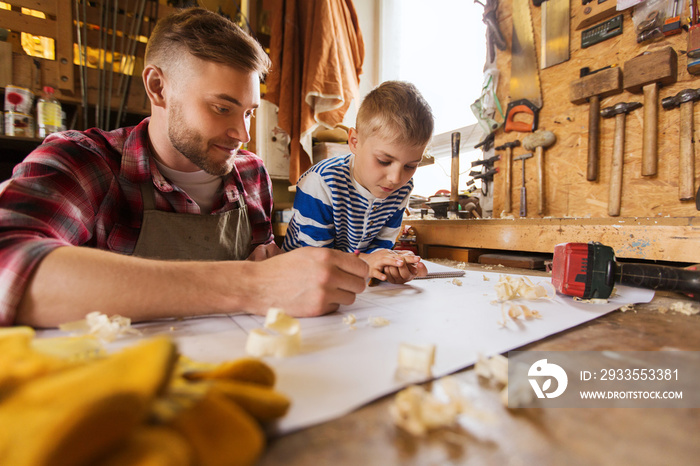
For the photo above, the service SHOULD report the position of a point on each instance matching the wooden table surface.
(571, 436)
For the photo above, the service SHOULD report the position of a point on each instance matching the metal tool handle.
(523, 202)
(659, 277)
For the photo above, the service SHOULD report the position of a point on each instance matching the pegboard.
(567, 192)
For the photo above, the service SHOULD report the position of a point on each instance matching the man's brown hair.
(396, 110)
(207, 36)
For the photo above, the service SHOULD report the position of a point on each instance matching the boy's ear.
(154, 82)
(352, 140)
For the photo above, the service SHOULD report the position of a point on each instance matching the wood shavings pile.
(509, 288)
(418, 411)
(99, 325)
(681, 307)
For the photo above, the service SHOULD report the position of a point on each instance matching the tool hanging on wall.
(525, 94)
(619, 111)
(694, 40)
(591, 88)
(494, 35)
(484, 108)
(646, 73)
(589, 271)
(686, 161)
(523, 189)
(82, 59)
(602, 32)
(508, 174)
(672, 24)
(539, 141)
(555, 32)
(136, 24)
(453, 206)
(595, 12)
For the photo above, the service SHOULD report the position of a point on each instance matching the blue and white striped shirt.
(332, 210)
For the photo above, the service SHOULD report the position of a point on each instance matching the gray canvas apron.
(176, 236)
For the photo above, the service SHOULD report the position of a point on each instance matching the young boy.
(355, 203)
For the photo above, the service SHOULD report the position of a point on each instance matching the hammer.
(508, 146)
(647, 72)
(686, 165)
(591, 89)
(539, 141)
(453, 205)
(523, 190)
(619, 111)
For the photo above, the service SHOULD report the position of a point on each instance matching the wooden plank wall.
(567, 192)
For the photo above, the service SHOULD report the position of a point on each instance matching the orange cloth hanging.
(317, 54)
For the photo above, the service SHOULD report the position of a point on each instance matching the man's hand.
(264, 251)
(308, 281)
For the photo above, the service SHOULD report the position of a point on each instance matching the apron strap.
(149, 196)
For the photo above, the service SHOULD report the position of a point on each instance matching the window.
(440, 46)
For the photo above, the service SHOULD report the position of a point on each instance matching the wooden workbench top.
(526, 436)
(674, 239)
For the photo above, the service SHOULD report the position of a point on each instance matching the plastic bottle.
(48, 113)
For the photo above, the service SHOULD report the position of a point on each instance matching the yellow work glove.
(63, 402)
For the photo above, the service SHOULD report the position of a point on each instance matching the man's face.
(209, 114)
(382, 166)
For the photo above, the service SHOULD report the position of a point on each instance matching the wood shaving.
(416, 359)
(350, 319)
(509, 287)
(627, 307)
(457, 282)
(106, 328)
(684, 308)
(281, 336)
(417, 411)
(485, 278)
(378, 321)
(495, 370)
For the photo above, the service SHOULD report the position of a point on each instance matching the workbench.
(527, 436)
(675, 239)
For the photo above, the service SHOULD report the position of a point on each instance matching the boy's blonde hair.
(208, 36)
(397, 111)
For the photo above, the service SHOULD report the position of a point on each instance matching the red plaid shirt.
(82, 189)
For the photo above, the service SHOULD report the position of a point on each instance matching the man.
(152, 221)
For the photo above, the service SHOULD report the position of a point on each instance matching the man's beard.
(191, 144)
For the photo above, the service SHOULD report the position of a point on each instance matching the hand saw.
(555, 32)
(525, 95)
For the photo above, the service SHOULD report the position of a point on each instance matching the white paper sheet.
(341, 369)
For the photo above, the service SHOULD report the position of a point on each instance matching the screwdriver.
(673, 24)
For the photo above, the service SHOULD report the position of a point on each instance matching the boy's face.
(383, 166)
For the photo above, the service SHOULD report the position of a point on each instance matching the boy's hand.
(394, 266)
